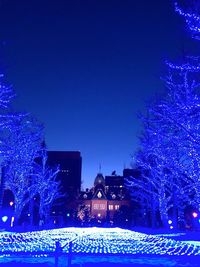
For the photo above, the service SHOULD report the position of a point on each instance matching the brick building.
(104, 200)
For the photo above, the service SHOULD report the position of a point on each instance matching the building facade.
(105, 200)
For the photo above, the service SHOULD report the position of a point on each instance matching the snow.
(105, 246)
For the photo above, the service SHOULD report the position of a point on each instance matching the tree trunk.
(153, 214)
(31, 210)
(163, 209)
(174, 215)
(181, 217)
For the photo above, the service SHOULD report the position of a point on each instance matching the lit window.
(96, 206)
(66, 171)
(110, 207)
(116, 207)
(102, 206)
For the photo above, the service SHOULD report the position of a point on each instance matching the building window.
(102, 206)
(99, 195)
(110, 207)
(65, 172)
(113, 196)
(116, 207)
(96, 206)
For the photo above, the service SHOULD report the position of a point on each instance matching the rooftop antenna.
(99, 167)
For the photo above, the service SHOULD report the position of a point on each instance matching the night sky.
(85, 68)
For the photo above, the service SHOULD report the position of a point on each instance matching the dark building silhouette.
(70, 163)
(132, 172)
(114, 181)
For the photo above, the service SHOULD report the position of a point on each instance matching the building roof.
(99, 194)
(99, 180)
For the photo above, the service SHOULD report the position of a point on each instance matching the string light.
(113, 241)
(192, 66)
(192, 20)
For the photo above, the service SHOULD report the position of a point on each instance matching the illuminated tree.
(153, 188)
(22, 145)
(172, 129)
(48, 188)
(190, 11)
(169, 157)
(7, 118)
(191, 131)
(21, 139)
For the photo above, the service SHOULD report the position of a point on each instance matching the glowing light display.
(4, 218)
(192, 20)
(194, 214)
(94, 241)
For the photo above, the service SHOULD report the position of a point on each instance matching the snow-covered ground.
(100, 246)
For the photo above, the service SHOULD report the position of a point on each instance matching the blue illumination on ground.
(112, 245)
(95, 241)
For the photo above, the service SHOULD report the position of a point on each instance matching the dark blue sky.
(85, 68)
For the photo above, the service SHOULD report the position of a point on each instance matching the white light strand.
(94, 241)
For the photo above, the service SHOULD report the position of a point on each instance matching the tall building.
(70, 163)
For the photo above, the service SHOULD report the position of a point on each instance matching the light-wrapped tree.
(169, 154)
(154, 184)
(23, 145)
(48, 187)
(190, 11)
(7, 117)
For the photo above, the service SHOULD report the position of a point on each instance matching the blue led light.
(192, 20)
(4, 219)
(95, 241)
